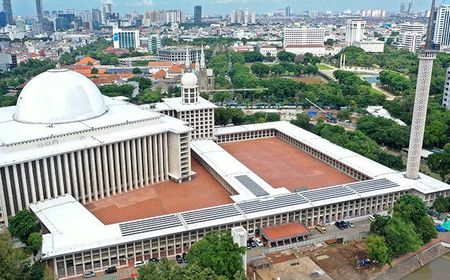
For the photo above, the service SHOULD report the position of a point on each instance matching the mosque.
(113, 183)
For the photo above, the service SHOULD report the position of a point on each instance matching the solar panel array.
(373, 185)
(328, 193)
(151, 224)
(251, 185)
(254, 206)
(205, 215)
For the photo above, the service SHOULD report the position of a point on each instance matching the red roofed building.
(155, 66)
(285, 234)
(161, 74)
(87, 60)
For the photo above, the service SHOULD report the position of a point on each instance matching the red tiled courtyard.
(164, 198)
(282, 165)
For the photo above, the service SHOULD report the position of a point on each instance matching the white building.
(370, 46)
(267, 49)
(64, 137)
(446, 97)
(441, 36)
(410, 36)
(126, 39)
(303, 37)
(354, 31)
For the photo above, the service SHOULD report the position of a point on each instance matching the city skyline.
(22, 8)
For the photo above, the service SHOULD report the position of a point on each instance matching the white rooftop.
(176, 104)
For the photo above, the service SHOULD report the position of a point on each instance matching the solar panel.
(372, 185)
(328, 193)
(254, 206)
(205, 215)
(251, 185)
(151, 224)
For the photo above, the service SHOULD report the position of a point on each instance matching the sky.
(27, 7)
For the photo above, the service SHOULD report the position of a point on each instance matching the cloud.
(142, 3)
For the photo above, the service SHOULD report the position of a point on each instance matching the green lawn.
(324, 67)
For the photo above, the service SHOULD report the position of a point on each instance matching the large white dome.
(59, 96)
(189, 80)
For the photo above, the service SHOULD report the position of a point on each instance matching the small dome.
(59, 96)
(189, 80)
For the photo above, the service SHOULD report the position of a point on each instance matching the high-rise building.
(441, 34)
(106, 11)
(126, 39)
(3, 20)
(303, 37)
(198, 14)
(253, 18)
(426, 59)
(287, 12)
(354, 31)
(154, 44)
(241, 17)
(39, 10)
(446, 97)
(402, 7)
(410, 6)
(8, 10)
(410, 36)
(96, 18)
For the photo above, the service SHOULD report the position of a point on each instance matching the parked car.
(89, 274)
(154, 260)
(350, 224)
(111, 270)
(371, 218)
(179, 259)
(184, 257)
(138, 263)
(259, 242)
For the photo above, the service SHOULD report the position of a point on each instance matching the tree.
(34, 242)
(10, 258)
(378, 250)
(441, 204)
(150, 96)
(260, 69)
(23, 224)
(302, 120)
(378, 226)
(286, 56)
(94, 70)
(137, 71)
(167, 270)
(218, 252)
(412, 209)
(401, 237)
(440, 163)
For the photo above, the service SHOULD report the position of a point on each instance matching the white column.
(161, 157)
(108, 166)
(25, 185)
(139, 163)
(426, 60)
(73, 172)
(17, 187)
(67, 173)
(60, 175)
(39, 181)
(53, 177)
(94, 172)
(4, 212)
(135, 182)
(31, 179)
(10, 194)
(87, 175)
(116, 159)
(144, 151)
(81, 177)
(166, 156)
(129, 165)
(150, 159)
(100, 156)
(46, 179)
(155, 157)
(123, 167)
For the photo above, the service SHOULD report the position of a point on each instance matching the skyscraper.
(8, 10)
(441, 34)
(39, 10)
(355, 31)
(287, 12)
(402, 7)
(198, 14)
(426, 59)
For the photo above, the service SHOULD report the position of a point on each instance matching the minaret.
(187, 64)
(426, 59)
(197, 64)
(202, 73)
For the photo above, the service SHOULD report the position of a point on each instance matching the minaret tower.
(197, 64)
(202, 73)
(426, 59)
(187, 63)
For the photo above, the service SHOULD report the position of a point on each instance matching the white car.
(258, 242)
(371, 218)
(89, 274)
(138, 263)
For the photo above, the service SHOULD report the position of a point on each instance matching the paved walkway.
(389, 96)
